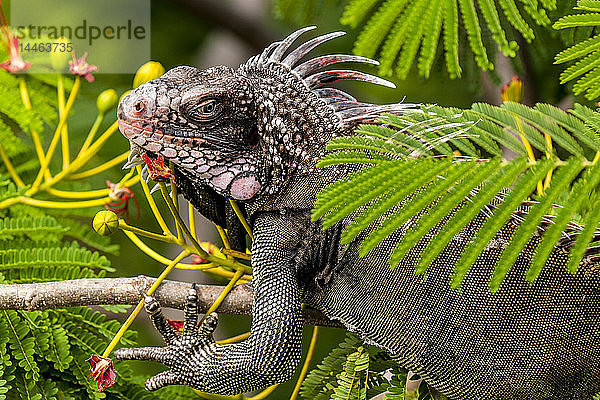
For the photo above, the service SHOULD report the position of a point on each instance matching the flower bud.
(106, 100)
(59, 54)
(105, 223)
(147, 72)
(513, 91)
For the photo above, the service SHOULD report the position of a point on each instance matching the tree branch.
(110, 291)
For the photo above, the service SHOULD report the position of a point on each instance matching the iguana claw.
(184, 352)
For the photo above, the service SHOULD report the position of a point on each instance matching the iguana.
(254, 134)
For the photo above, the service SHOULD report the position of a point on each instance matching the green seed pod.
(105, 222)
(106, 100)
(147, 72)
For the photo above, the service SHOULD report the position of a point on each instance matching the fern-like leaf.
(400, 27)
(22, 344)
(586, 71)
(430, 196)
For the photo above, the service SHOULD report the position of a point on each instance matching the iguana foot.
(185, 353)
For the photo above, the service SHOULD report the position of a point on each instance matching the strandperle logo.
(115, 34)
(83, 31)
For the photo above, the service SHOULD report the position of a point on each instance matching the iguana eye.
(207, 108)
(203, 111)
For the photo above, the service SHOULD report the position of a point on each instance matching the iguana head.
(243, 132)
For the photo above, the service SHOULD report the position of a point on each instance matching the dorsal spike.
(264, 56)
(370, 112)
(312, 65)
(302, 50)
(323, 78)
(287, 42)
(345, 105)
(333, 93)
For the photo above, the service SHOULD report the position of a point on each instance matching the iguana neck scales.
(255, 134)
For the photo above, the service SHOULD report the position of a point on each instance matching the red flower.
(157, 169)
(210, 249)
(177, 325)
(121, 197)
(103, 371)
(80, 67)
(11, 44)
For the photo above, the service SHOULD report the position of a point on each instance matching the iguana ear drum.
(244, 187)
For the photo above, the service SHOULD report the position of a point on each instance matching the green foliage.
(586, 53)
(43, 353)
(351, 371)
(35, 228)
(301, 12)
(399, 28)
(426, 182)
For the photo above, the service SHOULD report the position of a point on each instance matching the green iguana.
(254, 134)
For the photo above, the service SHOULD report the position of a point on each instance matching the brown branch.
(110, 291)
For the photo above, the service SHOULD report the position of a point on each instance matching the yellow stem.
(34, 135)
(548, 178)
(46, 160)
(529, 150)
(10, 168)
(163, 260)
(239, 214)
(64, 135)
(234, 339)
(87, 194)
(148, 250)
(224, 237)
(152, 203)
(225, 240)
(176, 204)
(224, 293)
(79, 161)
(125, 179)
(596, 157)
(138, 308)
(192, 220)
(212, 396)
(9, 202)
(163, 238)
(548, 156)
(262, 395)
(236, 254)
(101, 168)
(63, 204)
(309, 356)
(91, 134)
(115, 340)
(198, 250)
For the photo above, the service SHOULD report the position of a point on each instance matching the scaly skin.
(254, 134)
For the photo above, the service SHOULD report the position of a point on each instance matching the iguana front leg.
(269, 355)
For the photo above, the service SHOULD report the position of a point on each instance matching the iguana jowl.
(254, 134)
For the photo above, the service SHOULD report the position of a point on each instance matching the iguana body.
(254, 134)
